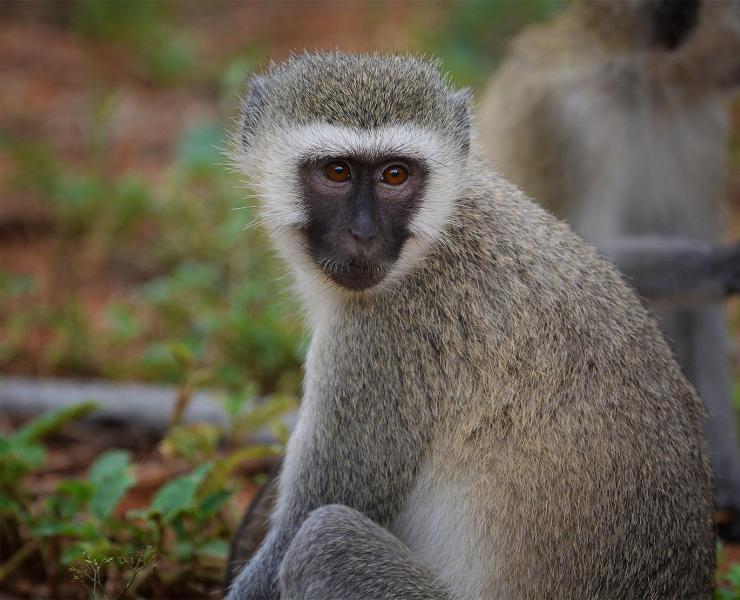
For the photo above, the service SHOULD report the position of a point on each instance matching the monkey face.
(358, 214)
(359, 162)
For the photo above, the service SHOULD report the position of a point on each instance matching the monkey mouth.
(354, 274)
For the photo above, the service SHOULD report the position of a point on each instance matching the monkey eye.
(395, 175)
(337, 171)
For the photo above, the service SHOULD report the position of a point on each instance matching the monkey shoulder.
(544, 282)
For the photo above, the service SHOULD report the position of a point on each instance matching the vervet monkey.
(613, 117)
(637, 58)
(488, 410)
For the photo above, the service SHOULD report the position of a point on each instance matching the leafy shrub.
(477, 34)
(728, 584)
(163, 53)
(199, 284)
(183, 530)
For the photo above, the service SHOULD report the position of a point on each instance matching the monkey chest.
(640, 166)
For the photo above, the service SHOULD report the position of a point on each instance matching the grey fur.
(363, 91)
(507, 410)
(339, 553)
(629, 145)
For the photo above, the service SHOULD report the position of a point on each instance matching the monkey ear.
(463, 102)
(251, 107)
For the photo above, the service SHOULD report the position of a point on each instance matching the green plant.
(20, 454)
(23, 452)
(92, 573)
(728, 586)
(163, 53)
(202, 285)
(82, 525)
(477, 33)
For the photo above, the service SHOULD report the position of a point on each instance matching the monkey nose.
(363, 231)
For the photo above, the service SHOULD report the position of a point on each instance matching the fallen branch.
(130, 404)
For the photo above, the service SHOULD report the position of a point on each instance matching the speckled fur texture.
(333, 552)
(507, 409)
(323, 87)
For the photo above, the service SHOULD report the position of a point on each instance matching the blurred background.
(126, 255)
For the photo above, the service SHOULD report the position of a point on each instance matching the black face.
(359, 214)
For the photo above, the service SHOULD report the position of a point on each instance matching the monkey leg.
(713, 382)
(700, 340)
(339, 554)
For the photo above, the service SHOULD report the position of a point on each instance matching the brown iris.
(337, 171)
(395, 175)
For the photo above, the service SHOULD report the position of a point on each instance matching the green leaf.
(260, 413)
(17, 458)
(225, 466)
(212, 503)
(25, 456)
(178, 495)
(8, 505)
(733, 575)
(213, 548)
(75, 551)
(184, 550)
(97, 549)
(51, 422)
(725, 594)
(53, 528)
(196, 442)
(111, 477)
(70, 498)
(199, 146)
(76, 488)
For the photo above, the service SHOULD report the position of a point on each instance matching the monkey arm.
(340, 554)
(334, 457)
(676, 271)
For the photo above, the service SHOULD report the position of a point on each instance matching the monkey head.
(357, 161)
(644, 24)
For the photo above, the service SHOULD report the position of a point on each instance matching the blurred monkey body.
(488, 410)
(613, 116)
(580, 120)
